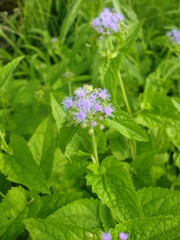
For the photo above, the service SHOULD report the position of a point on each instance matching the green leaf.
(21, 167)
(108, 71)
(57, 111)
(79, 148)
(68, 223)
(69, 19)
(81, 213)
(159, 112)
(66, 133)
(13, 209)
(159, 201)
(131, 37)
(53, 202)
(127, 126)
(106, 217)
(42, 145)
(7, 70)
(176, 103)
(41, 229)
(142, 165)
(152, 228)
(113, 185)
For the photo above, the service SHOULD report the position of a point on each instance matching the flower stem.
(70, 88)
(132, 142)
(94, 148)
(124, 93)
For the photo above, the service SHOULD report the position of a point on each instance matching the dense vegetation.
(90, 120)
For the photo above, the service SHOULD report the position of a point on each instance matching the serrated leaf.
(41, 229)
(159, 201)
(160, 112)
(69, 19)
(79, 147)
(7, 70)
(81, 213)
(21, 167)
(13, 209)
(69, 222)
(57, 111)
(152, 228)
(113, 185)
(55, 201)
(127, 126)
(42, 145)
(106, 217)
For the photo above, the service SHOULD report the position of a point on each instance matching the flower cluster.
(89, 107)
(174, 35)
(122, 236)
(107, 21)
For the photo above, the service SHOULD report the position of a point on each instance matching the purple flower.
(80, 92)
(107, 21)
(174, 35)
(93, 97)
(97, 107)
(86, 105)
(89, 107)
(108, 111)
(67, 103)
(80, 116)
(103, 94)
(78, 103)
(123, 236)
(106, 236)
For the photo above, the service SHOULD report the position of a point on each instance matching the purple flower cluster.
(107, 21)
(89, 107)
(122, 236)
(174, 35)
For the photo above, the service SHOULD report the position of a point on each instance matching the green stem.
(70, 88)
(124, 93)
(132, 142)
(94, 148)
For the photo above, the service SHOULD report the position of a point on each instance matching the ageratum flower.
(107, 21)
(123, 236)
(106, 236)
(89, 107)
(174, 35)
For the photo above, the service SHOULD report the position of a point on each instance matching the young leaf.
(13, 209)
(21, 167)
(7, 70)
(159, 201)
(113, 185)
(42, 144)
(127, 126)
(57, 111)
(155, 228)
